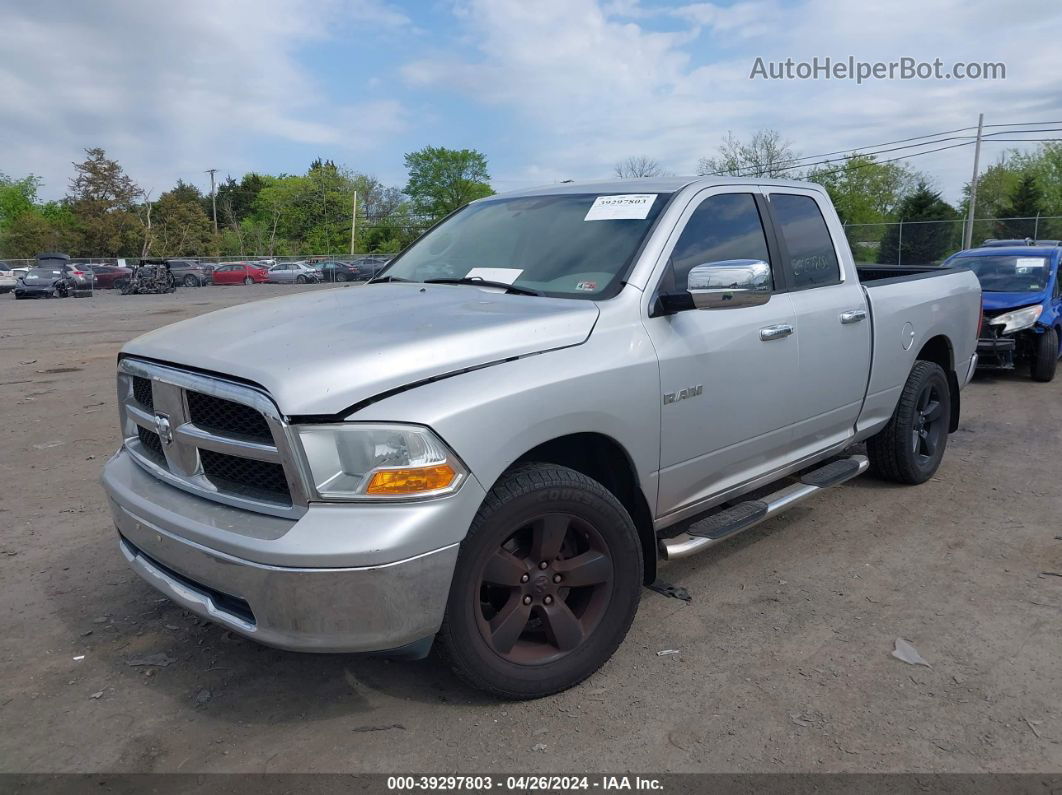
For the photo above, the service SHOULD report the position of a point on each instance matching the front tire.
(1045, 358)
(300, 279)
(546, 585)
(190, 280)
(910, 448)
(248, 280)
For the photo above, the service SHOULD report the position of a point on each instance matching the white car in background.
(9, 277)
(292, 273)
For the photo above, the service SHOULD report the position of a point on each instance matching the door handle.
(853, 316)
(775, 332)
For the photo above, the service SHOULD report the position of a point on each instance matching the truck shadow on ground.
(134, 640)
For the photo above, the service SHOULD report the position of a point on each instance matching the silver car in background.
(293, 273)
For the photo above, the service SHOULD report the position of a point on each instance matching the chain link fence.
(931, 242)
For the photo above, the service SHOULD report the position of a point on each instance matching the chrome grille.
(224, 416)
(142, 392)
(215, 438)
(246, 476)
(149, 440)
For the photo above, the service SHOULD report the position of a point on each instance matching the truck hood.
(324, 351)
(1001, 302)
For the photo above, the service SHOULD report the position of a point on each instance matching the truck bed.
(871, 274)
(911, 307)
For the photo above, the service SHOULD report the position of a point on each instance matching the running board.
(722, 525)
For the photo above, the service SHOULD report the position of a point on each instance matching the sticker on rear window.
(626, 206)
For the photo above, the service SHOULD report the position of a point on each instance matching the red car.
(110, 276)
(238, 273)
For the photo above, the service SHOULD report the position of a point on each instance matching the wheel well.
(602, 458)
(938, 350)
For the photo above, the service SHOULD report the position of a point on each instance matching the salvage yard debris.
(908, 653)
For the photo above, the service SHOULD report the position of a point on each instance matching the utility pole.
(213, 198)
(967, 241)
(353, 222)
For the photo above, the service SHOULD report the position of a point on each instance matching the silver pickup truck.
(493, 445)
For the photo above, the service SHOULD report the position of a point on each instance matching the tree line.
(105, 213)
(868, 193)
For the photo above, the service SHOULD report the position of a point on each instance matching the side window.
(803, 229)
(726, 226)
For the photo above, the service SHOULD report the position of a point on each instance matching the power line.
(968, 139)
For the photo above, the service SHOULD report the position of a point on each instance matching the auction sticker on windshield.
(626, 206)
(1026, 264)
(503, 275)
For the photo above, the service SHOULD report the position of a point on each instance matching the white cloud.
(592, 83)
(170, 89)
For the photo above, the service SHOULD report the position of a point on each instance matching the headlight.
(355, 461)
(1018, 319)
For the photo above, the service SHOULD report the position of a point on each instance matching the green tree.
(179, 227)
(442, 180)
(913, 243)
(765, 155)
(1025, 204)
(17, 196)
(863, 190)
(102, 199)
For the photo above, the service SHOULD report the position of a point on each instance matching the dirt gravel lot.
(783, 657)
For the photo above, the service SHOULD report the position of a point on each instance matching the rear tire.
(569, 611)
(1045, 359)
(910, 448)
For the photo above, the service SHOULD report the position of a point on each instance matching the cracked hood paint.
(320, 352)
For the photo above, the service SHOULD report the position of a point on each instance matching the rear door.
(833, 329)
(726, 415)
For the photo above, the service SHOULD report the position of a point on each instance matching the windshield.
(43, 273)
(567, 245)
(1007, 273)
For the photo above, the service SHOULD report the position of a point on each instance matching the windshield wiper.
(476, 282)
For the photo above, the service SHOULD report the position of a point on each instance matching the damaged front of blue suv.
(1022, 305)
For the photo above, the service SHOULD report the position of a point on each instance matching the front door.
(724, 373)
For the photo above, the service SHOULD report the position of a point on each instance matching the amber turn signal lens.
(410, 481)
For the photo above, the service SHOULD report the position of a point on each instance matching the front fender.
(609, 385)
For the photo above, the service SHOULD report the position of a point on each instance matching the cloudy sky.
(547, 89)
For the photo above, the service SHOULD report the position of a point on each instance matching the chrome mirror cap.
(729, 284)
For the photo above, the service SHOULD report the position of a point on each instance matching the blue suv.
(1022, 304)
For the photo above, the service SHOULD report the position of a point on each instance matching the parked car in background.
(189, 272)
(47, 282)
(1022, 304)
(545, 395)
(369, 266)
(82, 277)
(238, 273)
(337, 271)
(292, 273)
(110, 277)
(8, 278)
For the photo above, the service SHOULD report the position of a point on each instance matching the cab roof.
(650, 185)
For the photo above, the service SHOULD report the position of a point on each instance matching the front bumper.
(996, 352)
(382, 606)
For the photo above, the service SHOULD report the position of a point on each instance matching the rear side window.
(812, 256)
(725, 226)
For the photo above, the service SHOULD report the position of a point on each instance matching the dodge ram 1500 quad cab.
(553, 391)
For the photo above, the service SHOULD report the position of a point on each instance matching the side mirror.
(729, 284)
